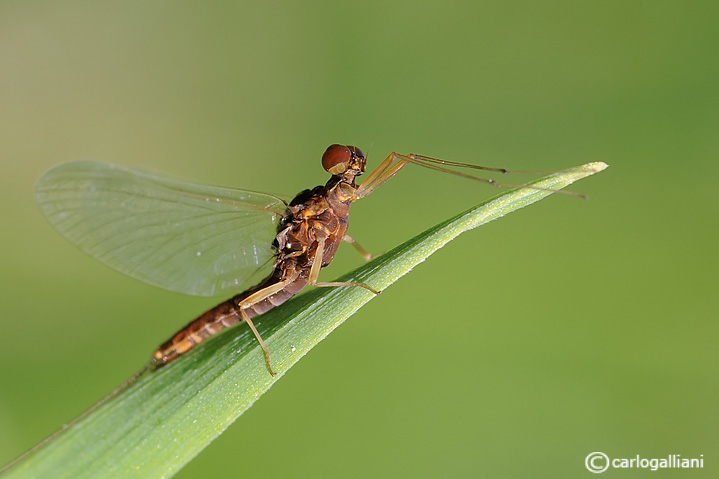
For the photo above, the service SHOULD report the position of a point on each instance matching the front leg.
(382, 173)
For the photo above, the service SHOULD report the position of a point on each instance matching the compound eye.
(336, 159)
(357, 152)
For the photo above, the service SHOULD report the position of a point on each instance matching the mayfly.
(209, 241)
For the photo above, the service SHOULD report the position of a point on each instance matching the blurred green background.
(578, 326)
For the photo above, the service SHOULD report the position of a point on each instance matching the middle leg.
(315, 272)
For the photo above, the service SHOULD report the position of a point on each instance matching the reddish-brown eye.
(357, 152)
(336, 159)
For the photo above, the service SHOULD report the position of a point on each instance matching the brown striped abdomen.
(222, 316)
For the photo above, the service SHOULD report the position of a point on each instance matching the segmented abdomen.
(222, 316)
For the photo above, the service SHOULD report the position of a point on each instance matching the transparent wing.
(194, 239)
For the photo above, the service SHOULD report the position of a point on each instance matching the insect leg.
(249, 322)
(255, 298)
(379, 175)
(379, 169)
(315, 272)
(384, 172)
(266, 292)
(363, 252)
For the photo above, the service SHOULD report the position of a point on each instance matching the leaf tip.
(595, 167)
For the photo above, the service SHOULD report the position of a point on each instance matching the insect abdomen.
(212, 322)
(222, 316)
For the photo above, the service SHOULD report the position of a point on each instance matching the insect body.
(206, 241)
(308, 237)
